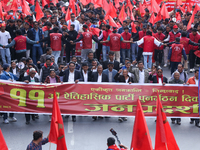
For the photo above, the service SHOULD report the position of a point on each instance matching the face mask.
(11, 13)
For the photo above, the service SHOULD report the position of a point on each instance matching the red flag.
(14, 6)
(122, 15)
(129, 4)
(132, 17)
(164, 12)
(141, 9)
(67, 16)
(25, 8)
(106, 6)
(159, 1)
(78, 9)
(164, 136)
(1, 12)
(133, 28)
(39, 13)
(152, 19)
(112, 22)
(95, 31)
(30, 1)
(44, 3)
(178, 17)
(158, 17)
(192, 17)
(141, 139)
(117, 4)
(98, 3)
(178, 2)
(73, 8)
(57, 134)
(154, 6)
(84, 2)
(3, 145)
(111, 12)
(182, 9)
(7, 5)
(189, 7)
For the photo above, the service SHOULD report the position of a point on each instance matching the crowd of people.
(46, 50)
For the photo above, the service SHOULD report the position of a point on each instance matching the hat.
(175, 27)
(5, 66)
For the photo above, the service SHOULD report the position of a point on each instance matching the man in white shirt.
(99, 76)
(86, 74)
(4, 38)
(74, 22)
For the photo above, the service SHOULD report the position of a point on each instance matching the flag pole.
(50, 146)
(166, 146)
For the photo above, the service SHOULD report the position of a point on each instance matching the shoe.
(74, 119)
(125, 118)
(165, 65)
(13, 119)
(191, 122)
(94, 118)
(27, 122)
(191, 70)
(100, 117)
(197, 125)
(173, 122)
(178, 123)
(37, 116)
(6, 121)
(120, 119)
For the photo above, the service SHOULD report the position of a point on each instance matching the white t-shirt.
(4, 36)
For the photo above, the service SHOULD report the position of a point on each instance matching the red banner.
(99, 99)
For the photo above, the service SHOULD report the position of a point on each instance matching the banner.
(99, 99)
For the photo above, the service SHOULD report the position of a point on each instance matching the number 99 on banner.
(21, 94)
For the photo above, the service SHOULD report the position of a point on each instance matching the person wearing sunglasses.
(158, 78)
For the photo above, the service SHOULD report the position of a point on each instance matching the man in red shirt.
(112, 146)
(115, 43)
(87, 38)
(159, 50)
(125, 47)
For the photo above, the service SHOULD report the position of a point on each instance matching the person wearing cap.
(73, 21)
(159, 50)
(148, 48)
(87, 38)
(173, 34)
(26, 31)
(194, 37)
(115, 40)
(141, 35)
(106, 46)
(4, 38)
(110, 72)
(20, 44)
(7, 75)
(175, 54)
(125, 47)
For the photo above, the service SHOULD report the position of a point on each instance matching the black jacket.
(29, 35)
(89, 75)
(116, 65)
(121, 78)
(72, 36)
(135, 36)
(77, 75)
(154, 79)
(95, 77)
(29, 79)
(11, 30)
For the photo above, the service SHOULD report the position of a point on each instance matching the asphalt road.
(86, 134)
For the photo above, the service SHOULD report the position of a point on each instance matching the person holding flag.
(112, 146)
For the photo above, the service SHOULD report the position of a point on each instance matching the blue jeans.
(134, 48)
(5, 52)
(56, 55)
(105, 50)
(145, 61)
(125, 54)
(35, 50)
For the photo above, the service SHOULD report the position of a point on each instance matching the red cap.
(175, 27)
